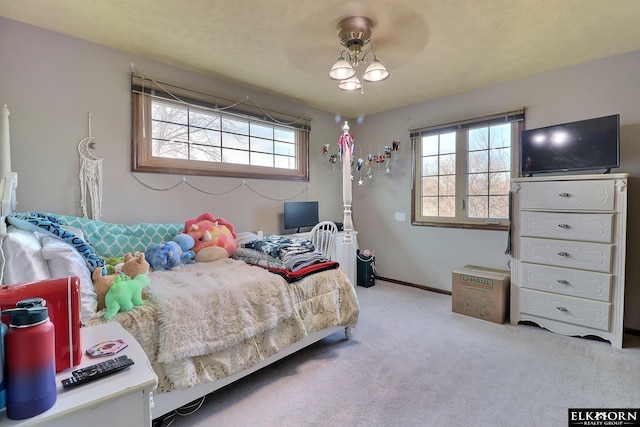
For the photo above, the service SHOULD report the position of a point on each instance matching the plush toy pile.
(132, 266)
(125, 293)
(214, 238)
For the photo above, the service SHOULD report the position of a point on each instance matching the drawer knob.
(562, 309)
(565, 254)
(563, 282)
(565, 226)
(564, 195)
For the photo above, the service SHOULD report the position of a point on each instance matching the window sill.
(466, 225)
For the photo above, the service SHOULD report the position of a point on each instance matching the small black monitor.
(300, 214)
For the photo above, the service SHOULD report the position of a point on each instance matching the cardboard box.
(481, 292)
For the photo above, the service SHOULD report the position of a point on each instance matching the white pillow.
(23, 260)
(65, 261)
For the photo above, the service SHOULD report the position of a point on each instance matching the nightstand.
(123, 398)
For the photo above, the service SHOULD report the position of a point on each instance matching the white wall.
(427, 255)
(51, 82)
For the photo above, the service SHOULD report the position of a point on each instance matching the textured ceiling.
(432, 48)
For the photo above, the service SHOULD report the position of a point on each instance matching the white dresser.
(568, 254)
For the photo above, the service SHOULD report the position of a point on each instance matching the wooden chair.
(323, 237)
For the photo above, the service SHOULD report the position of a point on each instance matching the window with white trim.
(192, 135)
(463, 171)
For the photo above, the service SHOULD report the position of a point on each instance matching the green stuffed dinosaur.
(124, 294)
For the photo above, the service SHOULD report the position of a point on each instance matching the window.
(192, 136)
(463, 171)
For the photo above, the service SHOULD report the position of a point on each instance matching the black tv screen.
(586, 144)
(300, 214)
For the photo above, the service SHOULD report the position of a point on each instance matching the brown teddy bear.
(133, 265)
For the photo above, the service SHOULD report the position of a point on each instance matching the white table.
(123, 398)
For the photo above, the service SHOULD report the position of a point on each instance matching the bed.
(204, 325)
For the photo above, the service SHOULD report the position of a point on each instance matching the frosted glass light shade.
(350, 84)
(341, 70)
(375, 72)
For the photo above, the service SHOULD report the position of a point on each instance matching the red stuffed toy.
(210, 232)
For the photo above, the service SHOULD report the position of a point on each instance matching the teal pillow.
(115, 240)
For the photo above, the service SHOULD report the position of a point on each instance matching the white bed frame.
(165, 403)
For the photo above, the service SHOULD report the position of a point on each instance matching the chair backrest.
(323, 237)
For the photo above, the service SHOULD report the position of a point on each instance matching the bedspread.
(316, 302)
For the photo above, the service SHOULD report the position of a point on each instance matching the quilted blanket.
(220, 309)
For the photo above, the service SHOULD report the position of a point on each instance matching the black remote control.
(99, 370)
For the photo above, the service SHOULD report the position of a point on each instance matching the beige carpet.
(412, 362)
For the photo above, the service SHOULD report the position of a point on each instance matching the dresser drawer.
(565, 253)
(568, 195)
(570, 226)
(577, 311)
(577, 283)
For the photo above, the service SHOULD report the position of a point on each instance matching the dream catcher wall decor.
(90, 178)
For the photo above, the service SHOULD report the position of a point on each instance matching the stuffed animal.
(210, 232)
(133, 265)
(125, 293)
(164, 256)
(186, 242)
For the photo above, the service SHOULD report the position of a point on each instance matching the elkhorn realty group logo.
(604, 417)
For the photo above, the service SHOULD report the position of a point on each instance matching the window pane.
(285, 135)
(430, 206)
(170, 150)
(430, 186)
(448, 143)
(285, 148)
(260, 130)
(204, 119)
(260, 159)
(230, 140)
(500, 159)
(430, 145)
(234, 125)
(429, 166)
(170, 131)
(205, 153)
(478, 161)
(235, 156)
(447, 185)
(499, 207)
(478, 183)
(262, 145)
(499, 183)
(478, 139)
(285, 162)
(447, 207)
(447, 164)
(478, 207)
(501, 136)
(204, 136)
(172, 113)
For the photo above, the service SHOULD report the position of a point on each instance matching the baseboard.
(632, 331)
(414, 285)
(629, 331)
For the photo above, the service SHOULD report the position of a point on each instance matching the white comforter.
(211, 320)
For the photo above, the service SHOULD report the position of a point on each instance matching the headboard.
(8, 179)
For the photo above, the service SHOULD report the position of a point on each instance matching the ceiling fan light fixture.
(354, 33)
(341, 70)
(376, 72)
(350, 84)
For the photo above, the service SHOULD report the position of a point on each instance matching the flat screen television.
(586, 144)
(300, 214)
